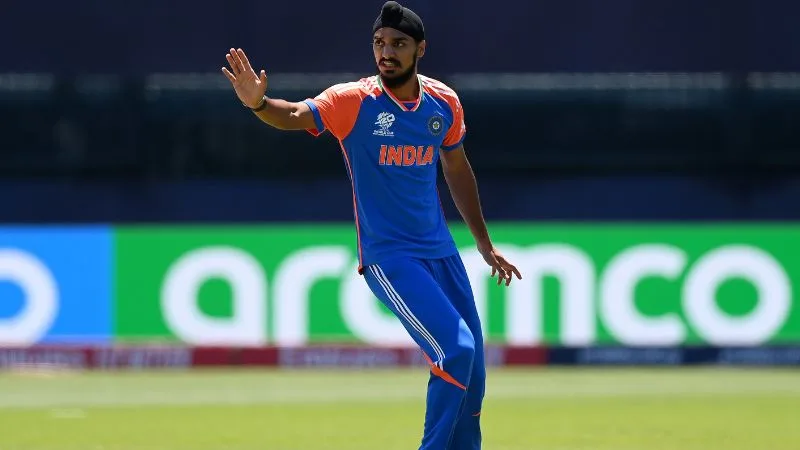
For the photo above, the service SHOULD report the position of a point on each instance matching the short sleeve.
(458, 129)
(336, 109)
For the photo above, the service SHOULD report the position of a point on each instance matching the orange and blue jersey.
(391, 152)
(406, 253)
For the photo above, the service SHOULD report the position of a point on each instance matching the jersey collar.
(397, 102)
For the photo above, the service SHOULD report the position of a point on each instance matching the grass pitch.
(552, 409)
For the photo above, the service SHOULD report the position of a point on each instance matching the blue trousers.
(433, 299)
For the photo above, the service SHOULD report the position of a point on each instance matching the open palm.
(249, 87)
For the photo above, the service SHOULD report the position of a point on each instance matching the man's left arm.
(463, 187)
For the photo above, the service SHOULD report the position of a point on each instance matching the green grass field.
(549, 409)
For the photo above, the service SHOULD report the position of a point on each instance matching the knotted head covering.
(394, 15)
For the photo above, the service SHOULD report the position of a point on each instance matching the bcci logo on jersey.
(435, 125)
(384, 121)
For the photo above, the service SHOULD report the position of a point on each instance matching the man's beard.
(400, 79)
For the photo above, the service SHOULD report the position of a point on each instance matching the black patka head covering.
(394, 15)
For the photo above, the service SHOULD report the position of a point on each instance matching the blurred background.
(672, 110)
(639, 161)
(596, 128)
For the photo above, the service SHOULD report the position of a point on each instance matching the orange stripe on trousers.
(442, 374)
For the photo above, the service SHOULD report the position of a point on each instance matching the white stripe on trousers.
(405, 311)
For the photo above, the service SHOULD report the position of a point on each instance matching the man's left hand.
(500, 265)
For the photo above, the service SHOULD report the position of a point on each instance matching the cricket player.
(393, 129)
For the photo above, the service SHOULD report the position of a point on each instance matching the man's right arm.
(335, 109)
(251, 89)
(285, 115)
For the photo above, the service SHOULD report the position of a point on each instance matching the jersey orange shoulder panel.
(440, 90)
(340, 104)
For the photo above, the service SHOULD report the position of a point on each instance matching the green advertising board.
(582, 284)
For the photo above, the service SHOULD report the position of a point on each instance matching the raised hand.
(249, 87)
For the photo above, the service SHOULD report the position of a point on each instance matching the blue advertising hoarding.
(55, 284)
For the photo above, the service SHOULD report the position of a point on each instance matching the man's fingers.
(497, 269)
(228, 74)
(501, 274)
(503, 269)
(238, 60)
(511, 269)
(243, 58)
(263, 76)
(233, 64)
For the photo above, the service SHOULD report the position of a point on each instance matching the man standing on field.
(393, 129)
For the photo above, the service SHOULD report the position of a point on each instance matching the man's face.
(396, 55)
